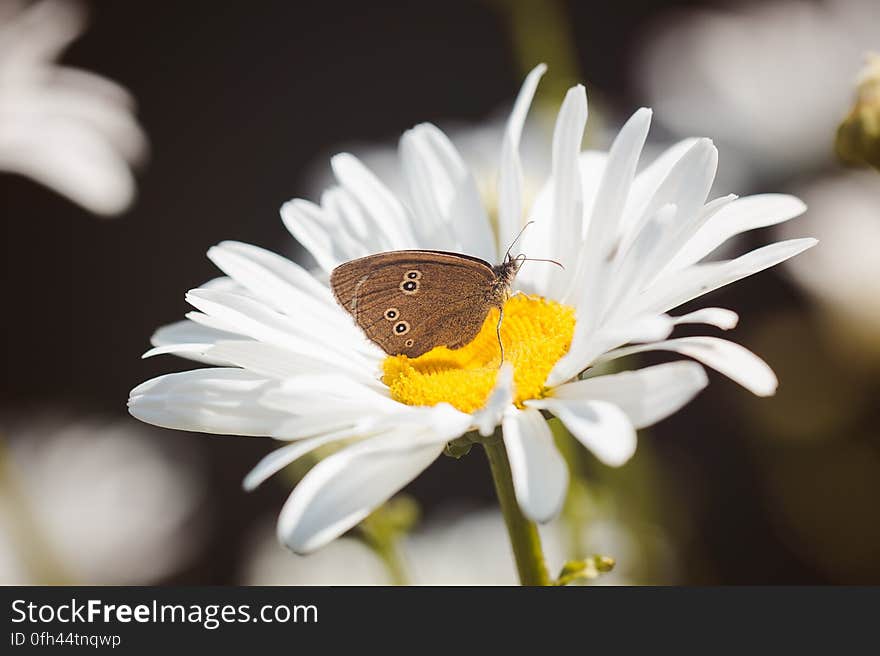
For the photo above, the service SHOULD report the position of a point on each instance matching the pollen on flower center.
(536, 332)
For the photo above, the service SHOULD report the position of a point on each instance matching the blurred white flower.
(470, 548)
(473, 549)
(346, 561)
(69, 129)
(295, 367)
(843, 275)
(771, 80)
(95, 502)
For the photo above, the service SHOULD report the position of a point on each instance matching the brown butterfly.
(408, 302)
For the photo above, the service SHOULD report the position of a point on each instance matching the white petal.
(345, 487)
(600, 426)
(501, 398)
(623, 158)
(62, 101)
(666, 236)
(647, 181)
(690, 180)
(272, 361)
(686, 185)
(318, 421)
(188, 340)
(543, 239)
(568, 206)
(647, 328)
(358, 233)
(510, 174)
(443, 421)
(304, 335)
(383, 208)
(444, 191)
(290, 272)
(75, 161)
(676, 288)
(217, 400)
(743, 214)
(634, 270)
(679, 238)
(317, 393)
(278, 459)
(718, 317)
(540, 475)
(217, 324)
(645, 395)
(183, 332)
(39, 31)
(322, 413)
(315, 231)
(224, 284)
(94, 85)
(464, 209)
(589, 279)
(734, 361)
(323, 403)
(194, 351)
(266, 285)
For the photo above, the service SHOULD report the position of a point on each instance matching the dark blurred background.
(240, 100)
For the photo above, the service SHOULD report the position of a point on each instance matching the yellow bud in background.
(584, 570)
(858, 137)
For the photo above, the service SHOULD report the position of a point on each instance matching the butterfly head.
(510, 266)
(507, 270)
(504, 276)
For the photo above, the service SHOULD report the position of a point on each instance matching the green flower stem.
(388, 552)
(523, 533)
(382, 531)
(541, 32)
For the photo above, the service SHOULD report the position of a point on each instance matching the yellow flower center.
(535, 333)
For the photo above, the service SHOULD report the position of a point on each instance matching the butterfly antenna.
(516, 239)
(541, 259)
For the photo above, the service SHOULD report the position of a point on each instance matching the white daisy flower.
(96, 502)
(769, 81)
(70, 130)
(294, 366)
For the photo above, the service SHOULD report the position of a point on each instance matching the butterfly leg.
(498, 334)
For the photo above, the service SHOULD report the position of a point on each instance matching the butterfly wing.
(408, 302)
